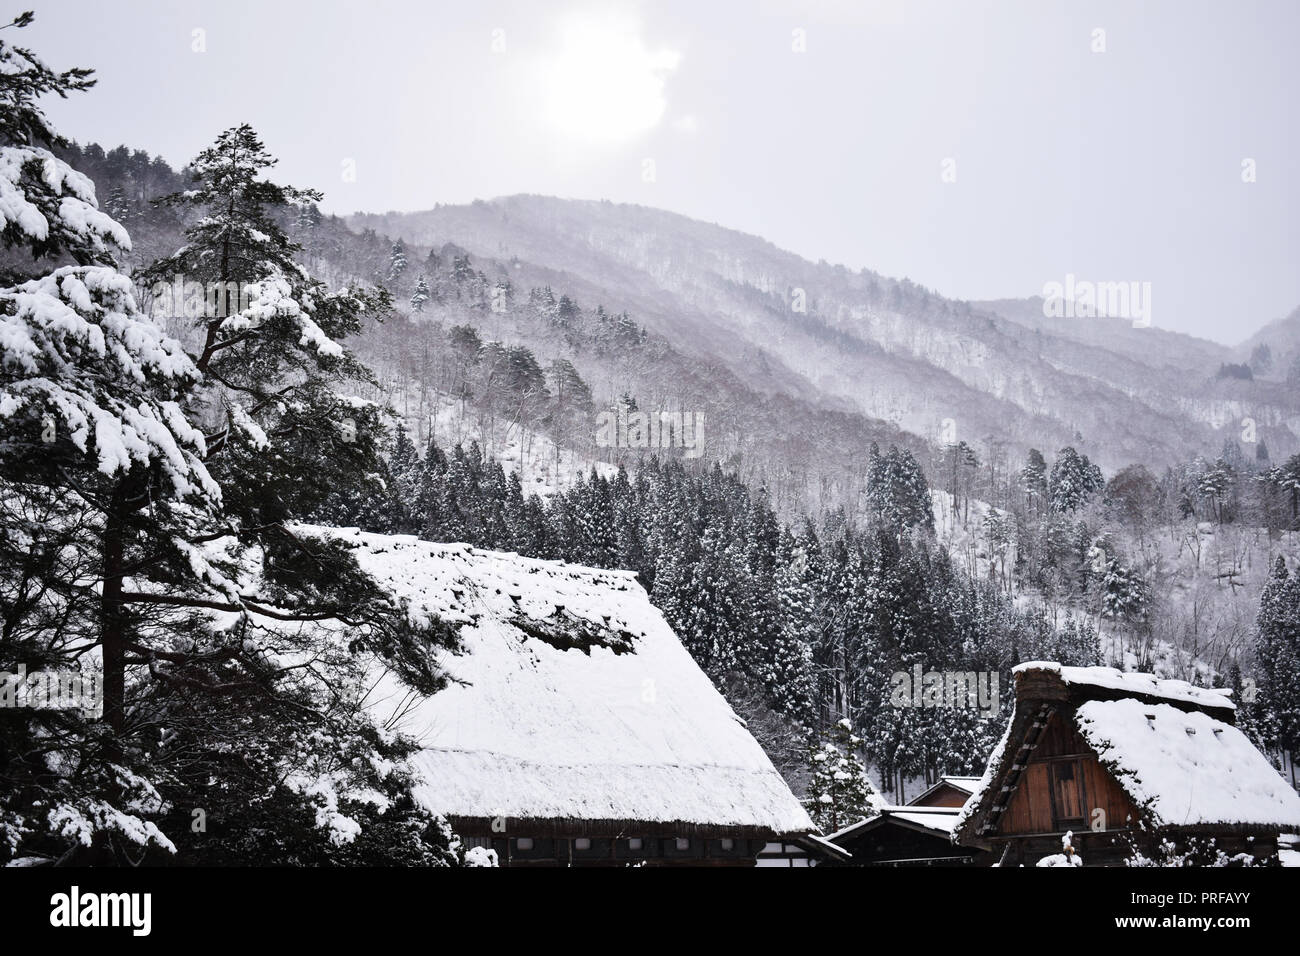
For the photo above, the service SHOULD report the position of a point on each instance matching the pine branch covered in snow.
(45, 205)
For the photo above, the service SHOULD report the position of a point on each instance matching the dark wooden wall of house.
(945, 795)
(1062, 785)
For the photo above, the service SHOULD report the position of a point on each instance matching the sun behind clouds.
(603, 86)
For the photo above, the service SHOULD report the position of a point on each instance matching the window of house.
(524, 843)
(1067, 792)
(582, 843)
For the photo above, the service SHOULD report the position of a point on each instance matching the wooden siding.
(1061, 787)
(943, 795)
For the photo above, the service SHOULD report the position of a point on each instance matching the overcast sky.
(1125, 164)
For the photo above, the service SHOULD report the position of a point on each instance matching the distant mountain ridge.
(797, 366)
(884, 348)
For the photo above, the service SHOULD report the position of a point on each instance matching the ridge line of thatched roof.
(1047, 680)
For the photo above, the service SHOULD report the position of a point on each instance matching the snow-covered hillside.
(543, 467)
(889, 348)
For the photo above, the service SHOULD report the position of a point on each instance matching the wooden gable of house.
(1063, 786)
(942, 794)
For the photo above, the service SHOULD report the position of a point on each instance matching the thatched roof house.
(579, 730)
(1123, 761)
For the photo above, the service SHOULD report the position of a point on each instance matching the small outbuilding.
(909, 836)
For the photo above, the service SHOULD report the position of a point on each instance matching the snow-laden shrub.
(1191, 852)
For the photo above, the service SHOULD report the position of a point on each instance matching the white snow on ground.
(1188, 768)
(1067, 856)
(961, 525)
(480, 856)
(1288, 849)
(536, 731)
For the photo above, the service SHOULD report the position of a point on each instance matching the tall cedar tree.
(1276, 710)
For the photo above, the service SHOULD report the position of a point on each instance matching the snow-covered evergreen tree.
(839, 791)
(897, 492)
(1215, 485)
(91, 398)
(118, 206)
(788, 667)
(49, 208)
(1073, 481)
(1033, 478)
(145, 487)
(397, 261)
(1124, 592)
(420, 296)
(1277, 661)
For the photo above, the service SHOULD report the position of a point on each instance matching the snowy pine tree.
(897, 492)
(1277, 661)
(1033, 478)
(1124, 592)
(117, 205)
(97, 448)
(1073, 481)
(125, 460)
(839, 791)
(420, 296)
(397, 261)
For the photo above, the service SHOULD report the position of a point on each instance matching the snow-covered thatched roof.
(574, 700)
(1185, 767)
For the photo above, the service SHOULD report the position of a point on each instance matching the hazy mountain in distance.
(1207, 381)
(886, 348)
(1151, 345)
(1273, 353)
